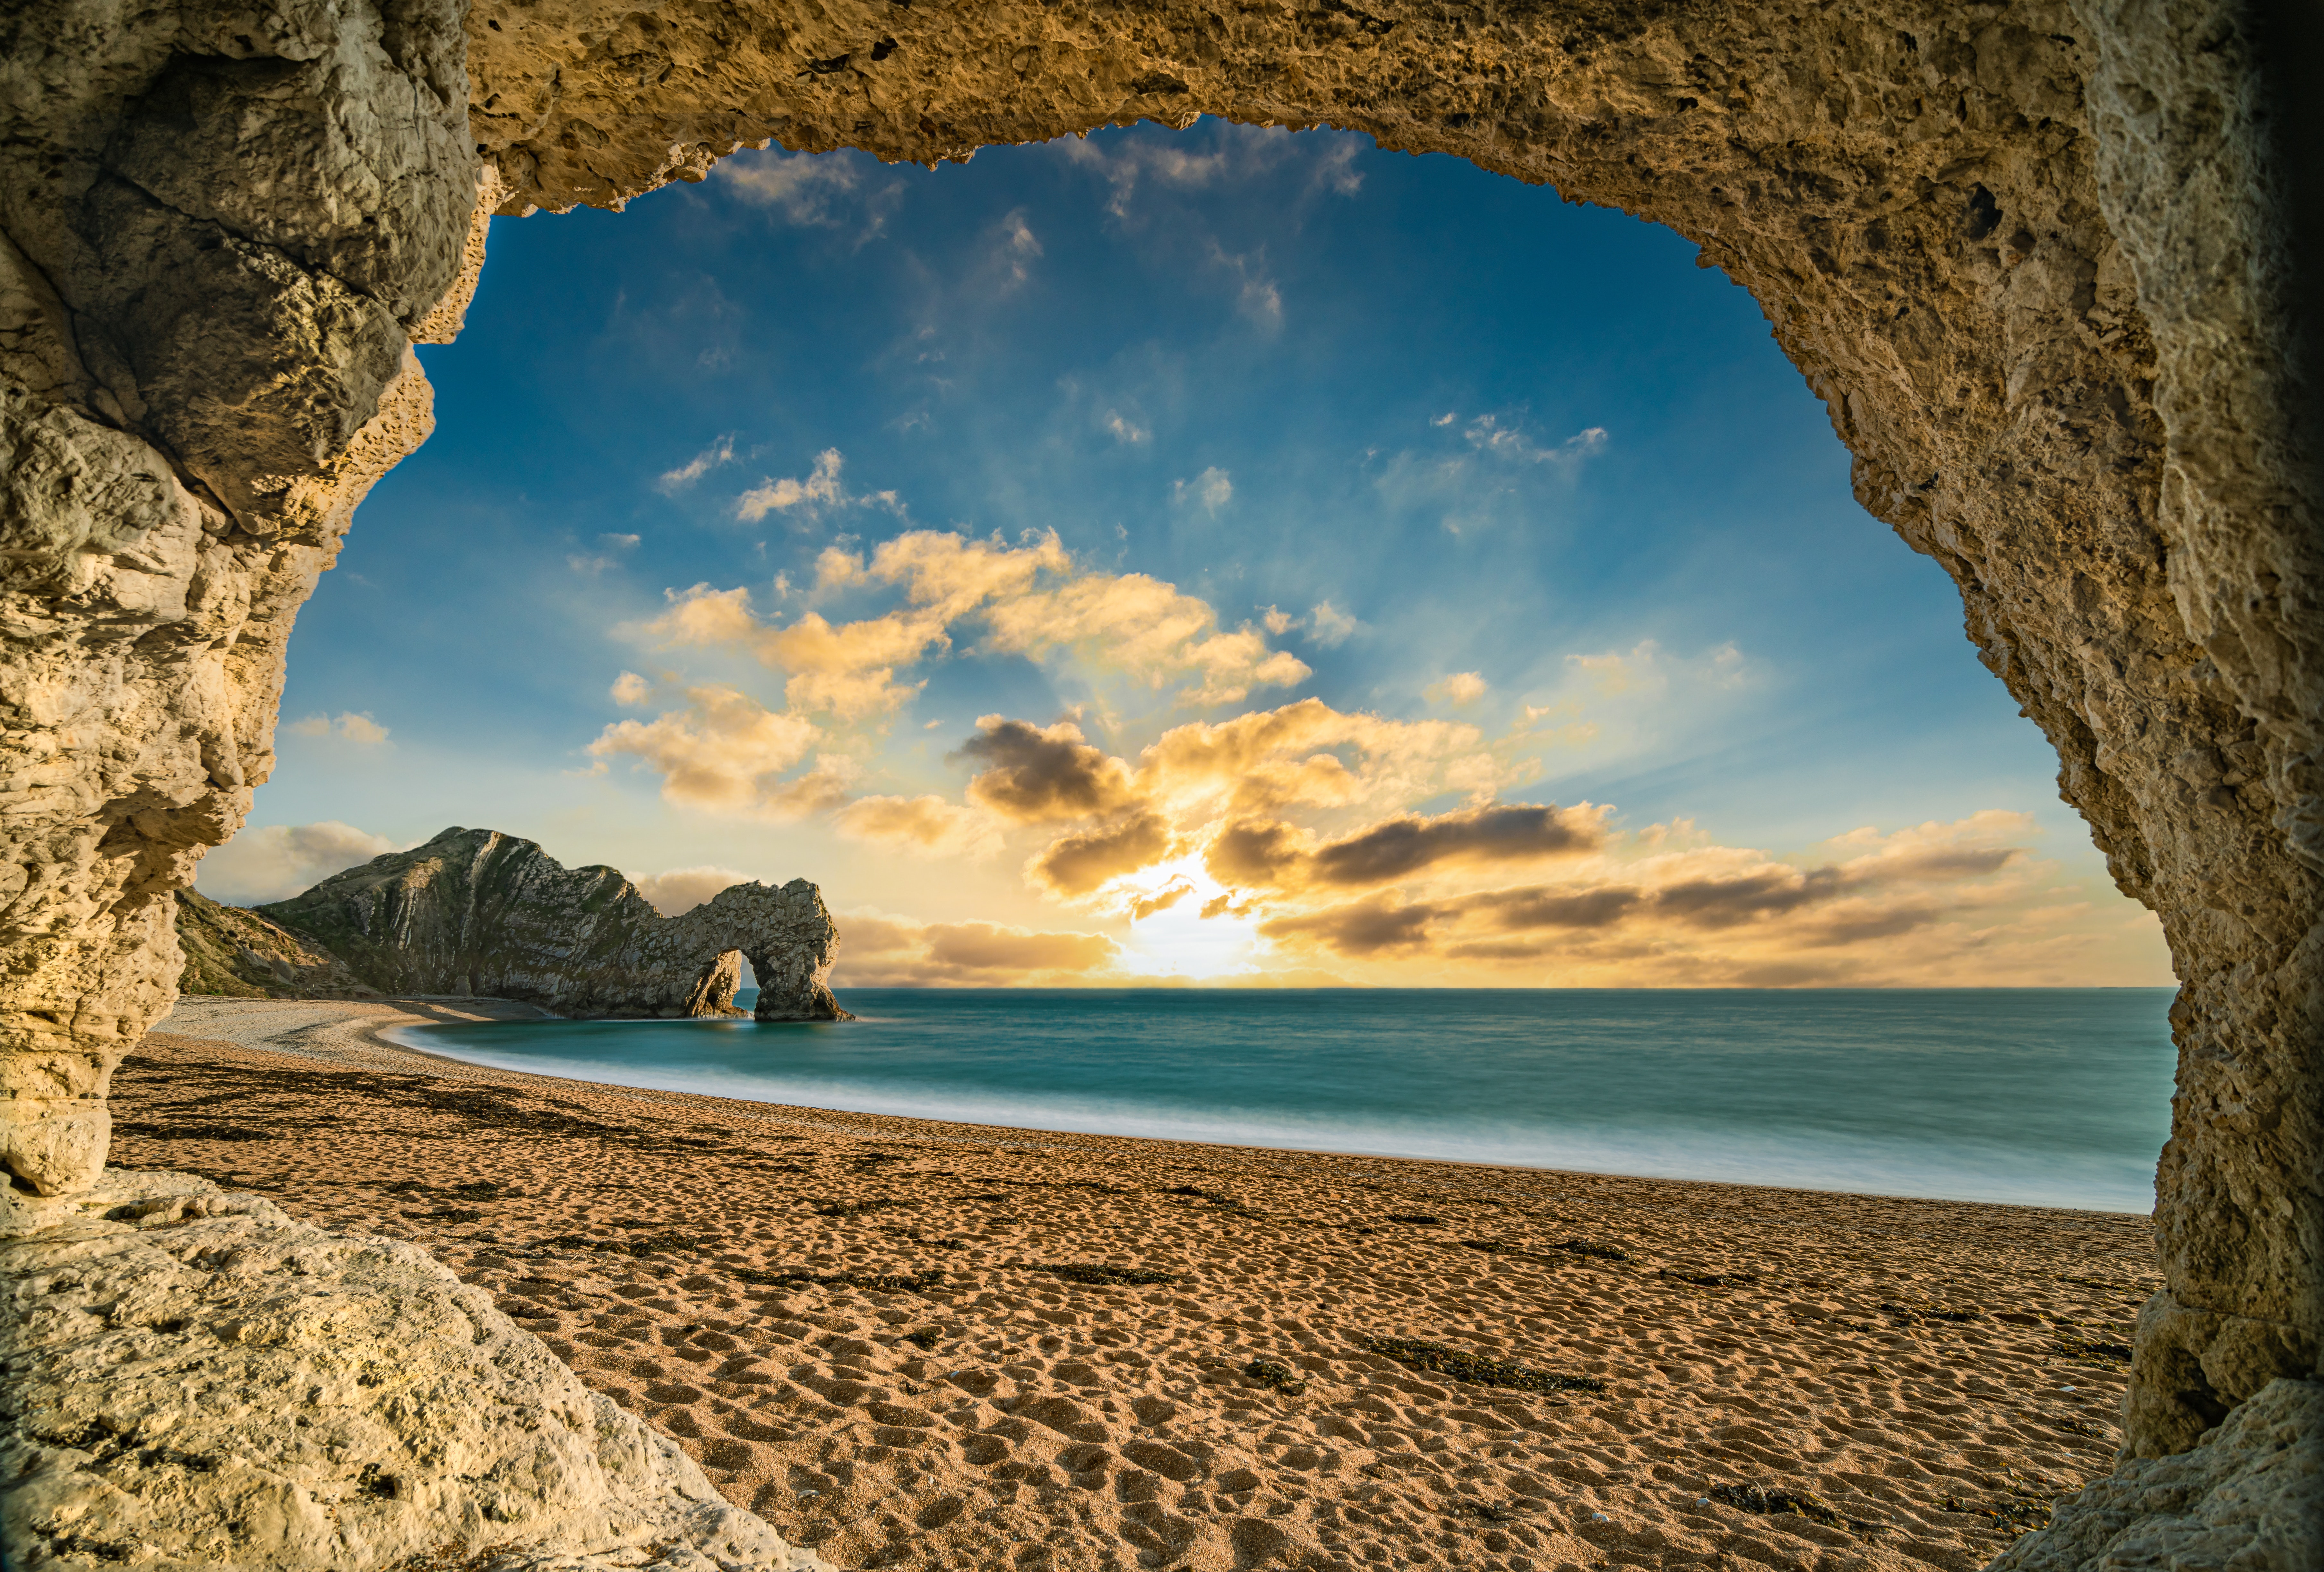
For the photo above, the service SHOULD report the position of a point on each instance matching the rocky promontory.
(478, 913)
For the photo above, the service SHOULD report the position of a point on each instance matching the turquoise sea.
(2042, 1096)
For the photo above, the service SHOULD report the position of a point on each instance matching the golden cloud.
(1703, 914)
(1030, 597)
(1253, 852)
(1075, 865)
(681, 889)
(925, 823)
(1042, 773)
(876, 950)
(727, 751)
(1280, 752)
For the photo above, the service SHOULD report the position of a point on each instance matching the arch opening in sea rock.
(2036, 259)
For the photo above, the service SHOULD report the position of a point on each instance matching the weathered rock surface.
(192, 1378)
(2248, 1498)
(239, 953)
(2034, 258)
(478, 913)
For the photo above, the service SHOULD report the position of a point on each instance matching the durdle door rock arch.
(2037, 259)
(478, 913)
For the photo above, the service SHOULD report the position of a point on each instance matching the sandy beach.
(922, 1344)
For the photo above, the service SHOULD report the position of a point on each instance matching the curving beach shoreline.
(852, 1321)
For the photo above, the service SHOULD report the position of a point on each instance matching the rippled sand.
(852, 1322)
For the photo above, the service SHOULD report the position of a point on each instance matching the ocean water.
(2041, 1097)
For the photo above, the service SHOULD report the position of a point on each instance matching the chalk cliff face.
(479, 913)
(2035, 258)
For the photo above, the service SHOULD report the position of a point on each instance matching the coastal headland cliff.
(478, 913)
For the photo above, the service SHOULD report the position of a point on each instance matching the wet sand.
(922, 1344)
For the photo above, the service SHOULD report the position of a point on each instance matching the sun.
(1170, 934)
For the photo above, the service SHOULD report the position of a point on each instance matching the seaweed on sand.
(1103, 1275)
(1487, 1511)
(2020, 1515)
(643, 1245)
(2084, 1349)
(1594, 1251)
(1804, 1503)
(1478, 1369)
(1507, 1252)
(1199, 1193)
(880, 1281)
(856, 1209)
(1275, 1373)
(926, 1339)
(1418, 1219)
(1915, 1315)
(1714, 1278)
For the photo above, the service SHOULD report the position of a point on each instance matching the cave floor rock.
(192, 1377)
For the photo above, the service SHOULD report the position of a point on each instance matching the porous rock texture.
(193, 1378)
(2249, 1498)
(488, 916)
(2032, 256)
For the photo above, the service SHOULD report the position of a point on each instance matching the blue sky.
(906, 529)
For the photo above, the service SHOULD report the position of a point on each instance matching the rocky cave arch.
(2035, 258)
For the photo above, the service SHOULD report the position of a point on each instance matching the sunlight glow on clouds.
(672, 481)
(681, 889)
(357, 727)
(1462, 688)
(278, 861)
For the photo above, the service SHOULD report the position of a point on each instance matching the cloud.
(1036, 774)
(1462, 687)
(1256, 294)
(1358, 930)
(817, 191)
(1259, 854)
(1123, 430)
(672, 481)
(1031, 601)
(987, 947)
(926, 823)
(1488, 435)
(1075, 865)
(1014, 250)
(728, 753)
(1698, 914)
(681, 889)
(599, 562)
(630, 688)
(1196, 161)
(1329, 626)
(1144, 906)
(1213, 488)
(356, 726)
(821, 486)
(878, 950)
(280, 860)
(1396, 760)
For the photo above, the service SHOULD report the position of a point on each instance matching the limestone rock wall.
(479, 913)
(195, 1379)
(2031, 255)
(221, 227)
